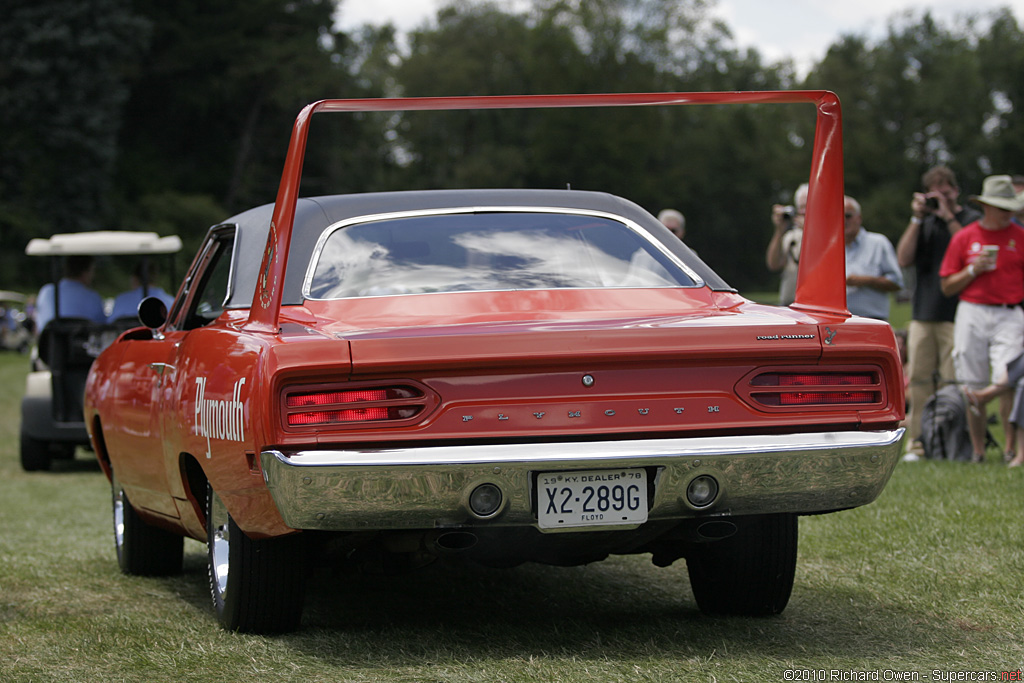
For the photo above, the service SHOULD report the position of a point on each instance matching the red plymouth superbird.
(515, 375)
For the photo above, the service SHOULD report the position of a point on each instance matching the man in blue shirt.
(126, 305)
(872, 271)
(77, 299)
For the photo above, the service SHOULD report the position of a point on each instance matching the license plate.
(591, 498)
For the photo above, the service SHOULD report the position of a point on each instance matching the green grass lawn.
(928, 578)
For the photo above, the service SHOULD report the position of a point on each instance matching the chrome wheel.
(219, 547)
(119, 521)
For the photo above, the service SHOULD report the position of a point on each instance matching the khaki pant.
(930, 366)
(985, 339)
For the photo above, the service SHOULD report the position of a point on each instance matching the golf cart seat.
(66, 346)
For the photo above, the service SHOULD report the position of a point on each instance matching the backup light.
(485, 500)
(702, 491)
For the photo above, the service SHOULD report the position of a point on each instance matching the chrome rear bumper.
(429, 487)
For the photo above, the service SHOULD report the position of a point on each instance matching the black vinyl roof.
(315, 214)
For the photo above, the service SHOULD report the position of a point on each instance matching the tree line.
(132, 114)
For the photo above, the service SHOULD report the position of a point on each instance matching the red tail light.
(325, 417)
(823, 389)
(326, 406)
(326, 398)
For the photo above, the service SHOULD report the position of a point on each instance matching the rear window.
(488, 252)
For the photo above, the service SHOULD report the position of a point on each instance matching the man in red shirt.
(984, 264)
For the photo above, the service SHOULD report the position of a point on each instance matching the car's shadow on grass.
(618, 609)
(83, 462)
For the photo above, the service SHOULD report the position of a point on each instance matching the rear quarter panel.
(216, 413)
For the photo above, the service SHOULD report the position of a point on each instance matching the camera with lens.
(788, 212)
(931, 203)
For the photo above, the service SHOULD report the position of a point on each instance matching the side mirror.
(152, 312)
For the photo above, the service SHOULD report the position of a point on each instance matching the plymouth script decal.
(224, 420)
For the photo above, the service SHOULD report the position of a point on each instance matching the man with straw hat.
(984, 265)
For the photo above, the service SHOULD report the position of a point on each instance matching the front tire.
(751, 572)
(143, 549)
(35, 454)
(256, 586)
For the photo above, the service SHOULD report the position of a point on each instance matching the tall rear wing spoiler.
(821, 283)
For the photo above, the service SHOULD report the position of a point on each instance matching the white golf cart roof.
(103, 242)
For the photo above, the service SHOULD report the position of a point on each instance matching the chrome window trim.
(216, 234)
(419, 213)
(232, 265)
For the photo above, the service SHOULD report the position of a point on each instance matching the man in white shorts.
(984, 264)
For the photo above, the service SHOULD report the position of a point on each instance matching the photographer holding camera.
(936, 215)
(784, 248)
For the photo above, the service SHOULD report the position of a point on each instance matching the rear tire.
(35, 454)
(256, 586)
(143, 549)
(750, 573)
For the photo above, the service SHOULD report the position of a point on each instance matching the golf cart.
(52, 425)
(16, 328)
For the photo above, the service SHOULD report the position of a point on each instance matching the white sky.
(801, 29)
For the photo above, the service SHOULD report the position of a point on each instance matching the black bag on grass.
(944, 431)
